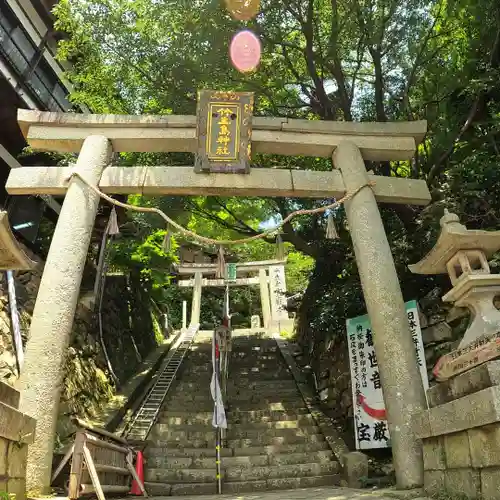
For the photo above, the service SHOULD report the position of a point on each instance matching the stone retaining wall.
(16, 432)
(461, 435)
(128, 331)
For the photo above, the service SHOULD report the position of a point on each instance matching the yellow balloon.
(243, 10)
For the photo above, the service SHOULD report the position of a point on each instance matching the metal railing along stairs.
(148, 412)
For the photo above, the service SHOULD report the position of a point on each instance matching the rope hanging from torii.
(211, 241)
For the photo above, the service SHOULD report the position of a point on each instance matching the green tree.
(355, 60)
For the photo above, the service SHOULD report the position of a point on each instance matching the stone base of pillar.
(461, 434)
(16, 432)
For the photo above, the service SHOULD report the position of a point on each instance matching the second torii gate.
(271, 281)
(95, 137)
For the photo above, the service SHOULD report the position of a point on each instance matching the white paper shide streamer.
(219, 418)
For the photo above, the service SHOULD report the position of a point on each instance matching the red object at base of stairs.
(139, 468)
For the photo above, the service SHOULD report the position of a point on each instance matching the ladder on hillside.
(147, 414)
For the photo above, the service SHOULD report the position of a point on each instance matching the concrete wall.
(16, 432)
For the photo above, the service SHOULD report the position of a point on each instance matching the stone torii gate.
(271, 295)
(95, 137)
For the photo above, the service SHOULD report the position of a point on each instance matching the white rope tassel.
(113, 228)
(221, 264)
(167, 241)
(71, 172)
(331, 230)
(280, 248)
(211, 241)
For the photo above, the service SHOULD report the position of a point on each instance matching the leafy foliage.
(322, 59)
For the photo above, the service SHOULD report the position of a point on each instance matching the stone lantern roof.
(455, 237)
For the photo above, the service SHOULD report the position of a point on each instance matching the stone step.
(238, 473)
(196, 427)
(296, 423)
(270, 388)
(207, 440)
(185, 418)
(236, 487)
(244, 351)
(175, 462)
(241, 348)
(252, 341)
(242, 432)
(265, 440)
(180, 406)
(196, 369)
(173, 476)
(265, 361)
(189, 406)
(192, 387)
(252, 371)
(194, 378)
(264, 397)
(184, 443)
(289, 483)
(186, 397)
(164, 489)
(154, 451)
(189, 386)
(238, 357)
(320, 456)
(290, 407)
(250, 377)
(256, 420)
(280, 449)
(196, 364)
(168, 432)
(280, 471)
(265, 415)
(262, 403)
(257, 384)
(295, 405)
(163, 433)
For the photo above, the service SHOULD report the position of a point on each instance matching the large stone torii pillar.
(42, 376)
(196, 301)
(404, 396)
(351, 143)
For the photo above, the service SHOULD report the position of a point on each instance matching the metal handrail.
(186, 337)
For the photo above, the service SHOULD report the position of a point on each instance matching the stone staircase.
(271, 443)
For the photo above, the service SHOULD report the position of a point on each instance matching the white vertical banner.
(370, 418)
(277, 285)
(219, 415)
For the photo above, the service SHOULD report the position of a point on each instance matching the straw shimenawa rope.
(211, 241)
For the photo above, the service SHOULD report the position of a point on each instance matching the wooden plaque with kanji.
(224, 130)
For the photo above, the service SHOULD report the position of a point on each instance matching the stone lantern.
(463, 254)
(460, 431)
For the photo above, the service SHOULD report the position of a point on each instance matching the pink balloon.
(245, 51)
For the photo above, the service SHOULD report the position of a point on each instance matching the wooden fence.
(101, 463)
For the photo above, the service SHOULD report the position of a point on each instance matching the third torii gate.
(95, 137)
(270, 279)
